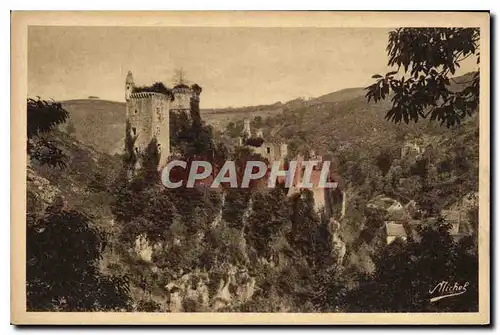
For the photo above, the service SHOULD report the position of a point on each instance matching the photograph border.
(21, 20)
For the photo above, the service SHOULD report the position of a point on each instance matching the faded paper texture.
(392, 108)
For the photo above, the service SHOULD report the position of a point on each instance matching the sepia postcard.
(181, 168)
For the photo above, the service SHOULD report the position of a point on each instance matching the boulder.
(144, 249)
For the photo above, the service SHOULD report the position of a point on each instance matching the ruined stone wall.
(161, 127)
(148, 115)
(181, 101)
(321, 195)
(273, 152)
(139, 116)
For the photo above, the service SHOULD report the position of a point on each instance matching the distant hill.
(344, 114)
(345, 119)
(101, 123)
(345, 94)
(221, 117)
(332, 126)
(98, 123)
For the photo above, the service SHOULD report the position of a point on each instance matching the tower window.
(134, 131)
(136, 150)
(268, 149)
(159, 147)
(135, 112)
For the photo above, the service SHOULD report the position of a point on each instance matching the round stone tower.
(129, 85)
(182, 95)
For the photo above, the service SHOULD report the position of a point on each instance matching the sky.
(234, 66)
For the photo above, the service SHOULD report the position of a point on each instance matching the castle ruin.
(278, 152)
(148, 115)
(148, 119)
(182, 94)
(182, 97)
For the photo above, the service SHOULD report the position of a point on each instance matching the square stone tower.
(148, 116)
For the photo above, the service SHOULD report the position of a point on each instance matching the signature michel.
(445, 289)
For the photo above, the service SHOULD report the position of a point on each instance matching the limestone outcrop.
(201, 291)
(338, 246)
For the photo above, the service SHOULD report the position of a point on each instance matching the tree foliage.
(429, 57)
(42, 117)
(130, 156)
(406, 272)
(157, 87)
(148, 172)
(190, 136)
(62, 273)
(270, 215)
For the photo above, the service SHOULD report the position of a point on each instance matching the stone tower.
(129, 85)
(247, 132)
(182, 95)
(148, 116)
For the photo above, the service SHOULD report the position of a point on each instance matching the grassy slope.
(98, 123)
